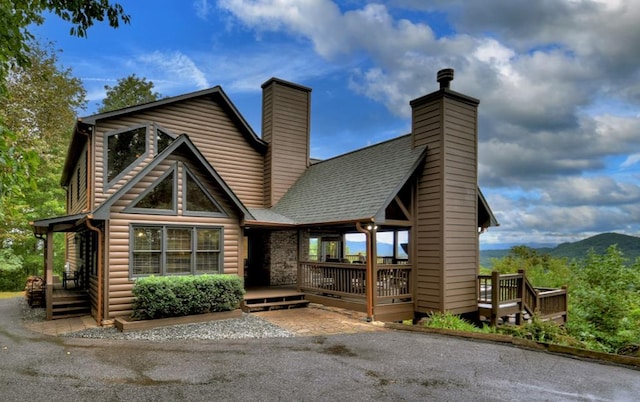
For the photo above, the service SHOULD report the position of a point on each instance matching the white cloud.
(631, 160)
(202, 8)
(174, 68)
(538, 68)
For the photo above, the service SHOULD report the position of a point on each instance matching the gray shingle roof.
(354, 186)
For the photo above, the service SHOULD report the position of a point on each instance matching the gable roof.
(183, 141)
(355, 186)
(216, 93)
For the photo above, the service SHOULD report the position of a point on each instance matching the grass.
(9, 295)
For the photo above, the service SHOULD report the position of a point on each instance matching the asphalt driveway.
(381, 365)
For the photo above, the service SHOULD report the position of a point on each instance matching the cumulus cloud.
(544, 72)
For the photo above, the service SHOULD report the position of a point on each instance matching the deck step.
(274, 302)
(70, 305)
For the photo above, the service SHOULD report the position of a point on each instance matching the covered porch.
(72, 290)
(364, 267)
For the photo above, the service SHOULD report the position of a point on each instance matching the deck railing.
(514, 294)
(344, 285)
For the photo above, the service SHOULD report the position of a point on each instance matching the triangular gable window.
(160, 197)
(197, 199)
(164, 140)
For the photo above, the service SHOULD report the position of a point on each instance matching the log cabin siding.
(211, 130)
(446, 238)
(119, 283)
(285, 127)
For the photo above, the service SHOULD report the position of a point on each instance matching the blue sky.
(558, 83)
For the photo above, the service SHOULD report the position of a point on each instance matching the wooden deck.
(343, 285)
(503, 295)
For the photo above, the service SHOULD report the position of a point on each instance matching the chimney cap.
(445, 76)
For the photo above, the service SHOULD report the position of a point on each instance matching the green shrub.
(172, 296)
(447, 320)
(603, 301)
(12, 275)
(542, 331)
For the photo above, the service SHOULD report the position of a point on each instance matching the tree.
(129, 91)
(38, 112)
(17, 15)
(16, 161)
(605, 301)
(541, 269)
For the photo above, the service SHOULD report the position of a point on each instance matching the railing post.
(566, 303)
(521, 295)
(495, 297)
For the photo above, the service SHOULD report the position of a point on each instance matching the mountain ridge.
(629, 245)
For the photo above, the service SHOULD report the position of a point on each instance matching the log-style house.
(184, 186)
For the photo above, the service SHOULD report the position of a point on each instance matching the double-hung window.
(175, 250)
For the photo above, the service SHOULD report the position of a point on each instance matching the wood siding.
(77, 190)
(285, 127)
(446, 236)
(119, 282)
(212, 132)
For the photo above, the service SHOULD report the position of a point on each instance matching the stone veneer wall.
(281, 254)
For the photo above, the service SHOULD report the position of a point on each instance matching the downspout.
(100, 266)
(369, 271)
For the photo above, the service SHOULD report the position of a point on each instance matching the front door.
(256, 272)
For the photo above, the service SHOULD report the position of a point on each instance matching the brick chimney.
(445, 235)
(285, 127)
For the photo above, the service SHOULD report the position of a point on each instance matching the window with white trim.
(175, 250)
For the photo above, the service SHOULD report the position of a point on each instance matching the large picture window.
(175, 250)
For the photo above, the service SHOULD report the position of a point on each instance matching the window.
(175, 250)
(197, 200)
(159, 198)
(123, 148)
(164, 140)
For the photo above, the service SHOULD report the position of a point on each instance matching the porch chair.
(73, 275)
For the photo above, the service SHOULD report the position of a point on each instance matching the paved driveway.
(382, 365)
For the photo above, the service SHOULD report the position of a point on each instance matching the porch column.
(48, 272)
(373, 269)
(371, 266)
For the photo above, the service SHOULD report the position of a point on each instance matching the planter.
(125, 325)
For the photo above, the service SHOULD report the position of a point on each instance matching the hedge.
(173, 296)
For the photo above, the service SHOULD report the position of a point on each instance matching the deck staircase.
(511, 298)
(266, 299)
(67, 304)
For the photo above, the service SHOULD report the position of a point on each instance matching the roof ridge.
(319, 161)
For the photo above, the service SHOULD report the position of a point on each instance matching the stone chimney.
(285, 127)
(445, 235)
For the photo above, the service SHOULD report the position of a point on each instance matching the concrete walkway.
(310, 321)
(320, 320)
(63, 326)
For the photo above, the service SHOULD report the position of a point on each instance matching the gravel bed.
(246, 327)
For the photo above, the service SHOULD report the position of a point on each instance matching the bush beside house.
(174, 296)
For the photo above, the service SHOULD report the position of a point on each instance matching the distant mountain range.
(384, 249)
(629, 245)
